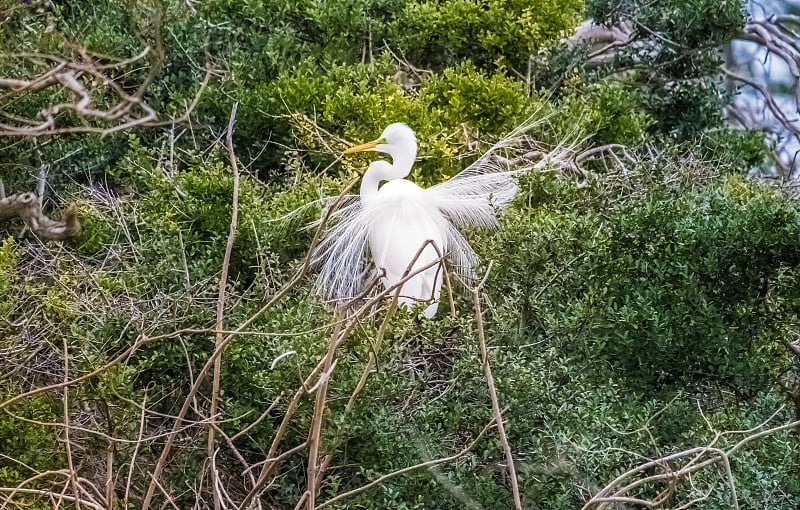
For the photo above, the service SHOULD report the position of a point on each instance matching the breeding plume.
(397, 219)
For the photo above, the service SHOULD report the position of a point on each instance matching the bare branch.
(223, 282)
(618, 490)
(88, 82)
(498, 416)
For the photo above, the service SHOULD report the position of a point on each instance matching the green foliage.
(697, 24)
(738, 150)
(360, 100)
(439, 33)
(9, 258)
(607, 111)
(266, 37)
(666, 289)
(27, 442)
(491, 103)
(628, 313)
(674, 57)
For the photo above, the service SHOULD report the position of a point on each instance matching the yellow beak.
(361, 148)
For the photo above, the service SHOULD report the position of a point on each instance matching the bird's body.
(405, 223)
(396, 220)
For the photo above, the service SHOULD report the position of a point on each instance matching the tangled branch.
(87, 82)
(776, 35)
(670, 473)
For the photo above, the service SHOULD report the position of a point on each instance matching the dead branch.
(26, 206)
(88, 82)
(776, 35)
(314, 471)
(67, 442)
(342, 330)
(602, 40)
(298, 276)
(498, 416)
(120, 358)
(223, 282)
(672, 473)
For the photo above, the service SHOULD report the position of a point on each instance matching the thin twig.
(129, 482)
(67, 442)
(701, 457)
(320, 402)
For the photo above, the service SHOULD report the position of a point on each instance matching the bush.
(440, 33)
(359, 101)
(669, 291)
(608, 112)
(629, 315)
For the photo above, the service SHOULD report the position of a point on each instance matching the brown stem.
(487, 369)
(320, 402)
(298, 276)
(223, 282)
(73, 476)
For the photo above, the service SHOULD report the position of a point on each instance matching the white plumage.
(396, 219)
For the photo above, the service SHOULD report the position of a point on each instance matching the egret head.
(397, 140)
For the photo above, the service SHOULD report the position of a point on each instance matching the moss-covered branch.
(27, 207)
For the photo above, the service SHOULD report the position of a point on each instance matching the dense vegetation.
(643, 297)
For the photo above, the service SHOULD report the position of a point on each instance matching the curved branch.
(26, 207)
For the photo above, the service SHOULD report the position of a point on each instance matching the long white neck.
(380, 171)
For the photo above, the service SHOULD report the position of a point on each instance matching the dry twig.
(619, 489)
(498, 416)
(223, 282)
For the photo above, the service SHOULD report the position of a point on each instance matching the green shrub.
(28, 442)
(9, 258)
(670, 291)
(359, 101)
(439, 33)
(608, 112)
(737, 150)
(628, 315)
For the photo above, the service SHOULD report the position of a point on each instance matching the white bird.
(403, 220)
(398, 218)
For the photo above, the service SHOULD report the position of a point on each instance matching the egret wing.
(475, 195)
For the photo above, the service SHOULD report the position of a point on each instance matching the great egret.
(396, 219)
(403, 220)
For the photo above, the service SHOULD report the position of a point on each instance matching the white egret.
(396, 219)
(403, 221)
